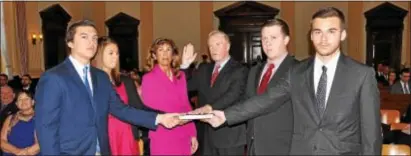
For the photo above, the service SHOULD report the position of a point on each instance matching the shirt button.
(321, 129)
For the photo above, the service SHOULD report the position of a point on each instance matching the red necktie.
(266, 79)
(215, 74)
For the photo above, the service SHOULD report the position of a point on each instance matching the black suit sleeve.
(235, 91)
(128, 113)
(371, 139)
(272, 99)
(193, 77)
(133, 98)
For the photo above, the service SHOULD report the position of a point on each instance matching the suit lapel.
(282, 68)
(337, 86)
(222, 72)
(77, 79)
(309, 77)
(94, 81)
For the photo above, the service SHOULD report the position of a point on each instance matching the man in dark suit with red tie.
(219, 84)
(270, 134)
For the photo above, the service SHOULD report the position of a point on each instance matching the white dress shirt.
(405, 87)
(222, 64)
(276, 63)
(79, 68)
(331, 67)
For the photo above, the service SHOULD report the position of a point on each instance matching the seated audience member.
(392, 77)
(382, 73)
(401, 136)
(17, 134)
(4, 79)
(404, 136)
(8, 105)
(402, 86)
(204, 60)
(26, 84)
(386, 134)
(7, 102)
(406, 117)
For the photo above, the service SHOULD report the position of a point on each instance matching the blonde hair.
(103, 42)
(218, 32)
(175, 62)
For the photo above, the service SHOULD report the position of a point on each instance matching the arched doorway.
(123, 29)
(384, 35)
(54, 21)
(242, 22)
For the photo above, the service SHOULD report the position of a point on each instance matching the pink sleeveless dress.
(120, 133)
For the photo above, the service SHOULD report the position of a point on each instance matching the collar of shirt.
(78, 66)
(331, 67)
(404, 84)
(222, 64)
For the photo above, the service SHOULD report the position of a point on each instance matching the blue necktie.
(85, 80)
(86, 83)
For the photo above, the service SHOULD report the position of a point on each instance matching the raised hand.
(169, 120)
(217, 120)
(188, 54)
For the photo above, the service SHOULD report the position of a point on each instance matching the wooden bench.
(398, 102)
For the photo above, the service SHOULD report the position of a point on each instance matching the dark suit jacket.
(396, 88)
(406, 117)
(135, 101)
(381, 79)
(227, 90)
(32, 89)
(69, 121)
(270, 134)
(351, 123)
(7, 110)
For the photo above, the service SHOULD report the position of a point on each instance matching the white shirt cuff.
(184, 66)
(156, 122)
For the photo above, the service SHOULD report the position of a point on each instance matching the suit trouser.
(251, 149)
(210, 149)
(238, 150)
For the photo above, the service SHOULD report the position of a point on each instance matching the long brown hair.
(151, 61)
(103, 42)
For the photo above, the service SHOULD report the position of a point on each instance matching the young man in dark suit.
(403, 85)
(219, 84)
(27, 84)
(73, 101)
(270, 134)
(335, 99)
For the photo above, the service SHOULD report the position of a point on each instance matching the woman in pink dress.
(121, 137)
(164, 88)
